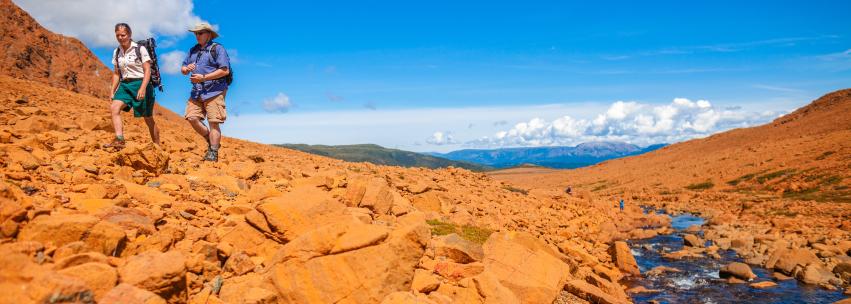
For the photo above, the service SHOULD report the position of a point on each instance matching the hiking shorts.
(213, 109)
(127, 93)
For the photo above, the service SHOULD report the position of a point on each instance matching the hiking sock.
(119, 137)
(215, 147)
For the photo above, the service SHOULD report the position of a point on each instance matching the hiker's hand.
(190, 67)
(141, 94)
(196, 78)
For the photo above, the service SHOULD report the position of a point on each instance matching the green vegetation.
(824, 155)
(767, 177)
(514, 189)
(742, 178)
(701, 186)
(471, 233)
(383, 156)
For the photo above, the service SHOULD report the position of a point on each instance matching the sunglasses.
(201, 33)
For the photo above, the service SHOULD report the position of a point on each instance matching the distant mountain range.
(383, 156)
(582, 155)
(481, 160)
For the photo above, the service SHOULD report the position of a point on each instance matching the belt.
(130, 79)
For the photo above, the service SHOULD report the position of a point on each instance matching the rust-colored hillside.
(29, 51)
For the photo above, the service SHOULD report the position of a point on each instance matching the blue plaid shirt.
(205, 64)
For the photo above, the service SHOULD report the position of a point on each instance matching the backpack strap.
(213, 51)
(138, 53)
(117, 64)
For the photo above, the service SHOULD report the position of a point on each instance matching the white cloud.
(441, 138)
(633, 122)
(281, 103)
(170, 62)
(93, 21)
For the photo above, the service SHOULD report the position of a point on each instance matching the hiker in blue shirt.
(211, 74)
(621, 205)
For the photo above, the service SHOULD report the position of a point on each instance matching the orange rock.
(363, 275)
(788, 259)
(429, 201)
(457, 249)
(148, 157)
(97, 276)
(526, 266)
(160, 273)
(763, 284)
(424, 281)
(456, 272)
(590, 292)
(298, 211)
(128, 294)
(59, 230)
(622, 256)
(738, 270)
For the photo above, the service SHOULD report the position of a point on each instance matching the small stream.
(698, 281)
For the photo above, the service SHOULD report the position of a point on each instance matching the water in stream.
(699, 282)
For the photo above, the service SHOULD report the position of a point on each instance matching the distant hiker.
(211, 74)
(621, 204)
(568, 191)
(131, 85)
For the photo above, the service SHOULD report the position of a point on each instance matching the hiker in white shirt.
(131, 85)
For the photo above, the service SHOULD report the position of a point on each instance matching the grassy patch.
(824, 155)
(515, 189)
(831, 180)
(471, 233)
(701, 186)
(741, 179)
(767, 177)
(475, 234)
(819, 195)
(441, 228)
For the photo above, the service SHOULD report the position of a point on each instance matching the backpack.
(215, 55)
(151, 45)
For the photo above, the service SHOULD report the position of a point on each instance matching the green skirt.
(127, 93)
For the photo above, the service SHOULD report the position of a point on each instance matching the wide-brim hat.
(204, 26)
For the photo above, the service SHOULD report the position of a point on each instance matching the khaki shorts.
(213, 109)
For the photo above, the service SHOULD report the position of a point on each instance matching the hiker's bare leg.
(153, 129)
(199, 126)
(215, 134)
(115, 110)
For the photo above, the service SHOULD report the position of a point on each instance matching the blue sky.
(444, 75)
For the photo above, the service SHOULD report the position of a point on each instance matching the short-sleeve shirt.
(126, 61)
(206, 64)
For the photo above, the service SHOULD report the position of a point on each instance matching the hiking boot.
(212, 155)
(116, 145)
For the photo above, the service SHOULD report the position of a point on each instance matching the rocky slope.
(778, 194)
(28, 51)
(270, 225)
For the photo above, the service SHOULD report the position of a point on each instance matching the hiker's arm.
(218, 73)
(146, 66)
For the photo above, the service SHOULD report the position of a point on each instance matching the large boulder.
(301, 210)
(623, 258)
(61, 229)
(590, 293)
(128, 294)
(787, 260)
(692, 240)
(97, 276)
(738, 270)
(815, 274)
(148, 157)
(160, 273)
(356, 268)
(526, 266)
(457, 249)
(23, 281)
